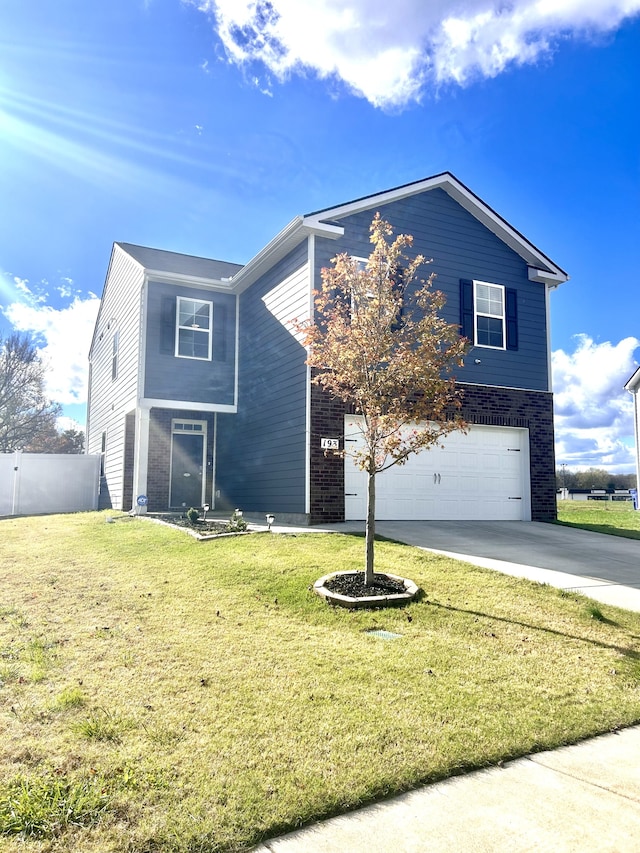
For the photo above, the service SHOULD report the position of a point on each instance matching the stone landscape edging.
(336, 599)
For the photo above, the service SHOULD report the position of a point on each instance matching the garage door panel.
(480, 475)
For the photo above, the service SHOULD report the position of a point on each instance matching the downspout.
(141, 435)
(547, 290)
(311, 259)
(214, 461)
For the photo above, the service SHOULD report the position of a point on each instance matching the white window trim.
(502, 317)
(179, 299)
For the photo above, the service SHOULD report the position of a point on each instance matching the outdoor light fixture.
(270, 519)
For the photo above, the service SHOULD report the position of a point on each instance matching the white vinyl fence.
(34, 483)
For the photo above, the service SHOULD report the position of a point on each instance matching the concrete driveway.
(603, 567)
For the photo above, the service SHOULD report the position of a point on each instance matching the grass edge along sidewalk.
(168, 695)
(616, 518)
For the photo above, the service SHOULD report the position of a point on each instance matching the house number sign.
(330, 443)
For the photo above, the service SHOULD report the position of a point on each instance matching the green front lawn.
(161, 694)
(615, 517)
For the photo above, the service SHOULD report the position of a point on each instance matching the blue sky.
(204, 127)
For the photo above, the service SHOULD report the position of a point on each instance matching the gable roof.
(323, 223)
(175, 263)
(467, 199)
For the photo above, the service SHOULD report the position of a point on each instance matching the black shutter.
(168, 326)
(399, 288)
(218, 322)
(512, 318)
(466, 309)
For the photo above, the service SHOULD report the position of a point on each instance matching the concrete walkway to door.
(606, 568)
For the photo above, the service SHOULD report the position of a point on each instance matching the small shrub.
(43, 807)
(236, 523)
(193, 515)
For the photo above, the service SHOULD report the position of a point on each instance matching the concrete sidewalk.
(578, 799)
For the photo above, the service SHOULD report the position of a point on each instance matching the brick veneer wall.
(530, 409)
(327, 471)
(160, 454)
(481, 405)
(129, 450)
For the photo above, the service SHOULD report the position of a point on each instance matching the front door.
(188, 445)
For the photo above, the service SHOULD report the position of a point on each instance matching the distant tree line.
(593, 478)
(27, 417)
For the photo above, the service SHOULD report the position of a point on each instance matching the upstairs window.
(489, 313)
(369, 295)
(193, 328)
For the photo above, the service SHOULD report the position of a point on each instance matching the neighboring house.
(633, 386)
(596, 495)
(199, 391)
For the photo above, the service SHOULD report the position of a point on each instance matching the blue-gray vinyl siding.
(461, 248)
(168, 377)
(261, 450)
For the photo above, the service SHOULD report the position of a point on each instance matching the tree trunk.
(370, 533)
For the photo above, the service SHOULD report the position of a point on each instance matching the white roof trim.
(470, 202)
(115, 248)
(290, 237)
(633, 383)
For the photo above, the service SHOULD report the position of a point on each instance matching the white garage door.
(481, 476)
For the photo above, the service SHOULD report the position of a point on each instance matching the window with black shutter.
(489, 314)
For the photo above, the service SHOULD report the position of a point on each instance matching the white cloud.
(35, 293)
(387, 52)
(593, 412)
(67, 288)
(64, 423)
(65, 336)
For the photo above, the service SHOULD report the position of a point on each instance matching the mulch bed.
(210, 527)
(354, 586)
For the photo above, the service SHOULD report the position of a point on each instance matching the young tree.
(379, 342)
(25, 412)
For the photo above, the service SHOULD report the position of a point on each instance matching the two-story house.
(199, 391)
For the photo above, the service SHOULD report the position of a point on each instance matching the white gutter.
(290, 237)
